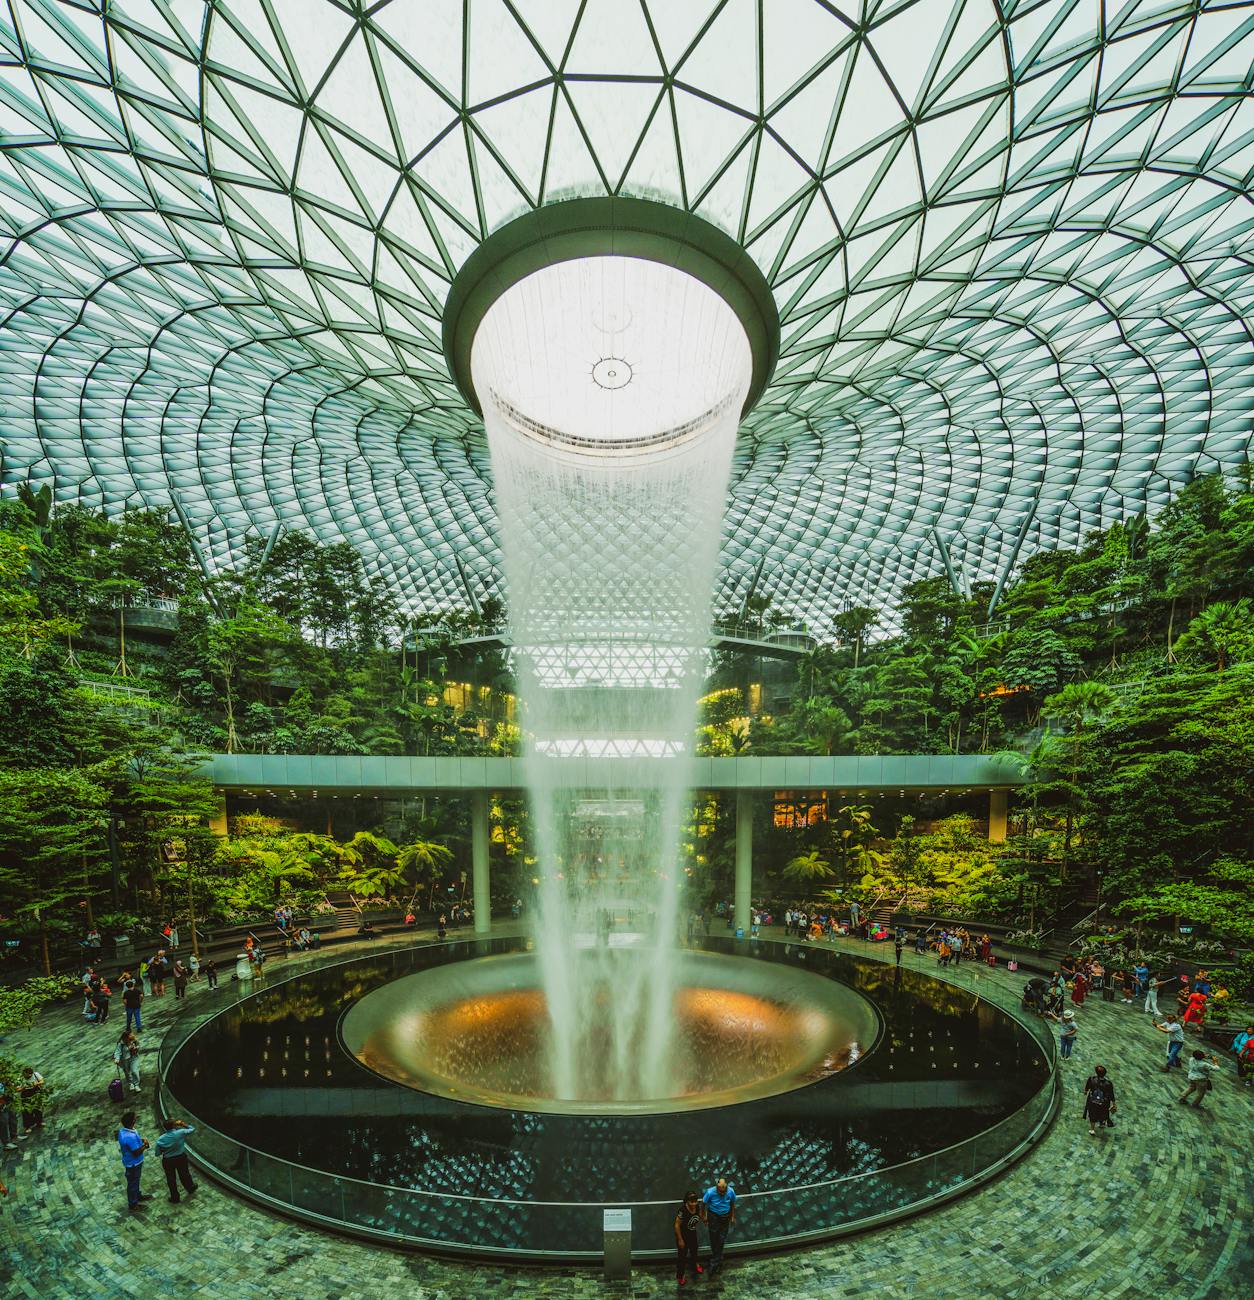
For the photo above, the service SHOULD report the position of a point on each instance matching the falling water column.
(611, 390)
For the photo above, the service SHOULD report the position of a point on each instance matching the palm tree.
(807, 867)
(853, 624)
(423, 860)
(1223, 629)
(1078, 704)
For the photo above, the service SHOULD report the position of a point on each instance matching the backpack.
(1099, 1093)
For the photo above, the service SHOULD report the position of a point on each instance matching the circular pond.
(903, 1090)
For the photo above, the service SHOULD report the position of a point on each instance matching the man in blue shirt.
(718, 1208)
(172, 1145)
(132, 1147)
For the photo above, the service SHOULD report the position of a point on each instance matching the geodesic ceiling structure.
(1010, 245)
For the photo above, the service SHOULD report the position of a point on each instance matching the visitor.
(1239, 1045)
(1141, 971)
(718, 1209)
(172, 933)
(89, 980)
(920, 943)
(943, 951)
(145, 976)
(180, 980)
(101, 999)
(687, 1221)
(259, 963)
(986, 948)
(1099, 1100)
(855, 915)
(1057, 991)
(133, 1000)
(1151, 987)
(441, 927)
(132, 1147)
(1199, 1078)
(410, 919)
(1202, 984)
(126, 1058)
(1195, 1011)
(193, 967)
(1183, 995)
(157, 972)
(1080, 988)
(8, 1119)
(899, 942)
(1175, 1041)
(211, 972)
(172, 1145)
(1067, 1034)
(1245, 1064)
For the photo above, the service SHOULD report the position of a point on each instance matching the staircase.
(347, 913)
(1071, 921)
(882, 911)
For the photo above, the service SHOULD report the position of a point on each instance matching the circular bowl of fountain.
(480, 1032)
(410, 1096)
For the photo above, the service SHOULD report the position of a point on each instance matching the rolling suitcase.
(116, 1092)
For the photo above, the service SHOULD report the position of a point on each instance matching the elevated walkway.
(844, 774)
(770, 643)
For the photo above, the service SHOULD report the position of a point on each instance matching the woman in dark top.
(687, 1221)
(1099, 1100)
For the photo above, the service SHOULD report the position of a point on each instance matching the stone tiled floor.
(1160, 1207)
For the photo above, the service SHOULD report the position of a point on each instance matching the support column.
(743, 916)
(997, 801)
(481, 894)
(217, 823)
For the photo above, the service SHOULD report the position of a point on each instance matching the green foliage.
(1222, 899)
(807, 868)
(21, 1005)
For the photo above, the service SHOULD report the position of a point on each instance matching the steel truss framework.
(1010, 243)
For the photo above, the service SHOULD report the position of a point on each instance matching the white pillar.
(217, 821)
(998, 801)
(744, 861)
(479, 861)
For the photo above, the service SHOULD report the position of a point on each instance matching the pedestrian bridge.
(852, 774)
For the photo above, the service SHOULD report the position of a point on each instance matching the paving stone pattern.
(1159, 1207)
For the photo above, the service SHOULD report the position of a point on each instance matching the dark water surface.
(272, 1073)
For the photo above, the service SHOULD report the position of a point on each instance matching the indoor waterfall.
(611, 389)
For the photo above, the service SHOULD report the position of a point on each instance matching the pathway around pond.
(1161, 1206)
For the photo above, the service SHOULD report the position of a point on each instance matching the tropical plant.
(807, 868)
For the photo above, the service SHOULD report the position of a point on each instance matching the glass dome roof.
(1010, 245)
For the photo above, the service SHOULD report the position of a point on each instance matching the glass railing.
(478, 1224)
